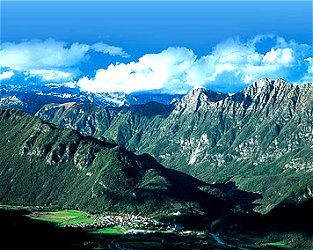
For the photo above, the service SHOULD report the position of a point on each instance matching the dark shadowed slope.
(42, 164)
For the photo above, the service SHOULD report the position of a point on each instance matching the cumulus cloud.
(108, 49)
(6, 75)
(310, 68)
(281, 56)
(50, 75)
(308, 77)
(152, 71)
(232, 64)
(50, 59)
(45, 55)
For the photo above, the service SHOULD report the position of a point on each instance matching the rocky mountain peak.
(198, 91)
(264, 86)
(199, 98)
(202, 92)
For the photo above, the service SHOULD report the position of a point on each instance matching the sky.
(162, 46)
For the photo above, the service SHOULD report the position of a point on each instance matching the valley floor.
(38, 227)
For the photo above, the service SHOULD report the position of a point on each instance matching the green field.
(64, 217)
(111, 230)
(280, 245)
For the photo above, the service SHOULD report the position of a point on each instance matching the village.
(126, 221)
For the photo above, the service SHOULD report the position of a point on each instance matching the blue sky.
(168, 46)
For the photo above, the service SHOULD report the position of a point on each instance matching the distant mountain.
(31, 98)
(42, 164)
(261, 138)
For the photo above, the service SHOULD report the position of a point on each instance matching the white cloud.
(248, 64)
(247, 78)
(51, 75)
(41, 55)
(231, 65)
(236, 52)
(6, 75)
(219, 69)
(108, 49)
(310, 68)
(308, 77)
(270, 56)
(152, 71)
(279, 56)
(50, 59)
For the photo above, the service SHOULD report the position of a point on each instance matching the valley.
(91, 234)
(209, 169)
(137, 125)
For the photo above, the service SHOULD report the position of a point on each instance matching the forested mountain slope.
(42, 164)
(261, 138)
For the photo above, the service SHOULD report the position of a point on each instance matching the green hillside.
(42, 164)
(260, 138)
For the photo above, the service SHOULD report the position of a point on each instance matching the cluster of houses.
(123, 220)
(127, 220)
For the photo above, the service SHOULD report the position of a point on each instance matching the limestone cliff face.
(258, 137)
(198, 99)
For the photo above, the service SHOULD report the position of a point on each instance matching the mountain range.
(259, 141)
(32, 97)
(239, 164)
(46, 165)
(260, 138)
